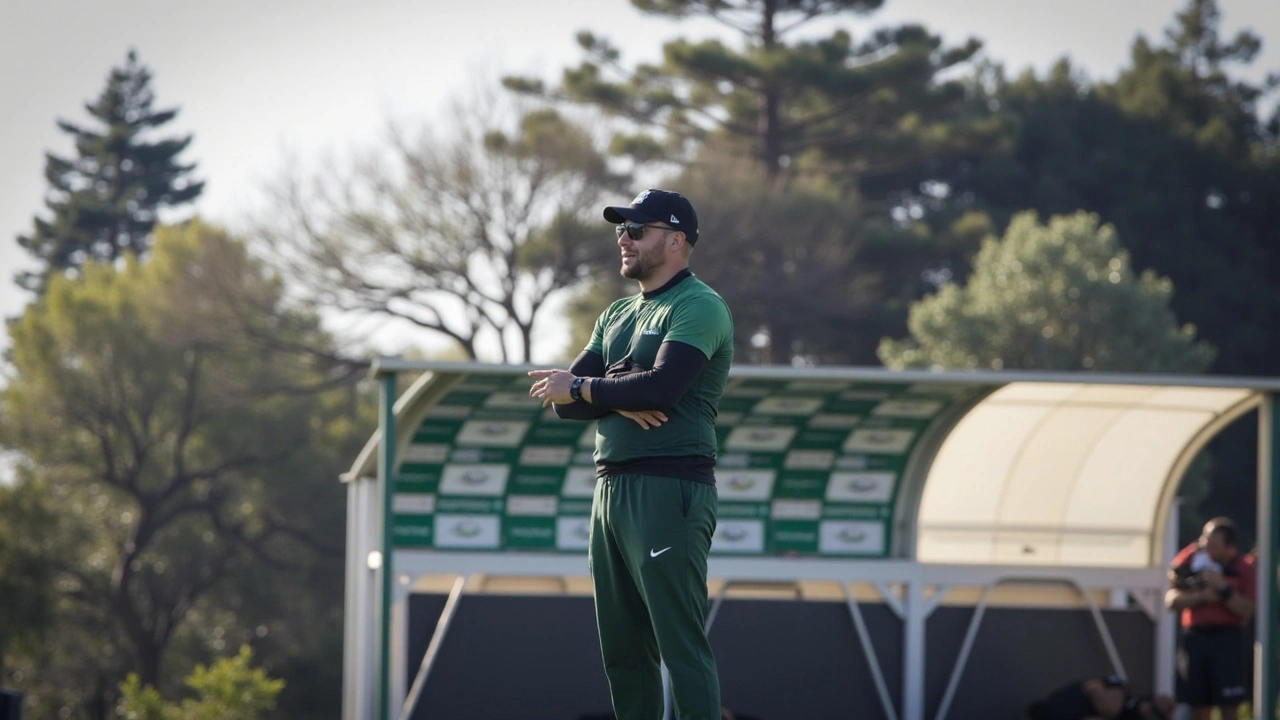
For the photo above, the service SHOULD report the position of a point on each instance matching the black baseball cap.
(658, 206)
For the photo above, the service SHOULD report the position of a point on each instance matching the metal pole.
(962, 658)
(386, 470)
(913, 649)
(1167, 620)
(869, 652)
(1265, 646)
(433, 647)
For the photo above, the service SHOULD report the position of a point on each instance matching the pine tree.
(107, 199)
(827, 105)
(823, 117)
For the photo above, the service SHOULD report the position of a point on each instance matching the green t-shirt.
(692, 313)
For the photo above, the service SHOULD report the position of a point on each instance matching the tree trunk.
(770, 122)
(128, 614)
(100, 706)
(148, 653)
(526, 341)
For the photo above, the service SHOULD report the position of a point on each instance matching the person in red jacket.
(1213, 588)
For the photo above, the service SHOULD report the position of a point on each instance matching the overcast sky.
(255, 79)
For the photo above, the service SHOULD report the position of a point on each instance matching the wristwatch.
(575, 389)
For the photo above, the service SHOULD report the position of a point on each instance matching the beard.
(642, 267)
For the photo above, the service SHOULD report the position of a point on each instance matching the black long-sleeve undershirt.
(675, 368)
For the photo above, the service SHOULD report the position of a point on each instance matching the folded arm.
(675, 368)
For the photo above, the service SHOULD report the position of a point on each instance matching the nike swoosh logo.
(656, 553)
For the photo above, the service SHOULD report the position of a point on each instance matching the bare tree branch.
(438, 234)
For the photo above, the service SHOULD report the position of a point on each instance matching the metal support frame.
(869, 652)
(1166, 645)
(1265, 644)
(398, 684)
(860, 627)
(891, 599)
(916, 609)
(913, 606)
(718, 600)
(962, 659)
(386, 489)
(361, 614)
(433, 647)
(372, 688)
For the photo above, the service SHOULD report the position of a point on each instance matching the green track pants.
(649, 542)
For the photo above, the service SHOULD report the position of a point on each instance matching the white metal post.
(399, 667)
(1265, 645)
(350, 605)
(386, 492)
(1167, 624)
(360, 653)
(913, 649)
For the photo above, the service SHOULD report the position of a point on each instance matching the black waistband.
(698, 468)
(1210, 629)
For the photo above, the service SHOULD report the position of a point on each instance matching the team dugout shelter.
(905, 545)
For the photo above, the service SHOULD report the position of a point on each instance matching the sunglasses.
(635, 230)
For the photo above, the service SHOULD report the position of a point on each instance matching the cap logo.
(675, 220)
(640, 198)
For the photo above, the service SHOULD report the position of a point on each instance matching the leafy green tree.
(181, 437)
(788, 261)
(1185, 84)
(1178, 156)
(1060, 296)
(1173, 153)
(230, 689)
(830, 104)
(467, 236)
(26, 575)
(106, 200)
(785, 261)
(811, 276)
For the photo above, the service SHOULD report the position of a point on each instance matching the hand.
(552, 386)
(644, 418)
(1211, 578)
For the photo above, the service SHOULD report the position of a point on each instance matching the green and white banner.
(808, 468)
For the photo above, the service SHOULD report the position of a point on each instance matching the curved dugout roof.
(963, 467)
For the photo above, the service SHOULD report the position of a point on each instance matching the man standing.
(652, 374)
(1213, 587)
